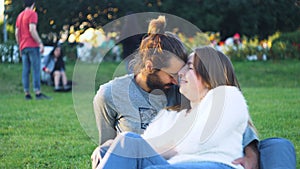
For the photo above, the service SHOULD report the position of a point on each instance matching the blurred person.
(30, 46)
(55, 65)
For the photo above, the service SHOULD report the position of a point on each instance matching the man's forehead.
(175, 64)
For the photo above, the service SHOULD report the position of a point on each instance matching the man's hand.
(251, 158)
(41, 48)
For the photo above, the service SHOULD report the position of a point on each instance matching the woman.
(208, 135)
(55, 65)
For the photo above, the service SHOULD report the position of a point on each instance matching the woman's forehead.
(191, 57)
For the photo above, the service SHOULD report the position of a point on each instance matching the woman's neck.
(197, 101)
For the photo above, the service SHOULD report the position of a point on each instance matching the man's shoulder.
(122, 80)
(117, 83)
(115, 90)
(20, 16)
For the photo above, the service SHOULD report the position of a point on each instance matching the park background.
(48, 134)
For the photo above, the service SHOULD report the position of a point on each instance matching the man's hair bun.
(157, 26)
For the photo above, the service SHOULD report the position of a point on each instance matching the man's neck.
(30, 8)
(140, 80)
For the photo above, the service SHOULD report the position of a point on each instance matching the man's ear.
(148, 65)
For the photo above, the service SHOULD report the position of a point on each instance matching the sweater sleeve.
(161, 123)
(228, 114)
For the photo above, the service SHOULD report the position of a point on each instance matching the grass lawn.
(48, 133)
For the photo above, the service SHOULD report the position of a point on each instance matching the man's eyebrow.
(173, 74)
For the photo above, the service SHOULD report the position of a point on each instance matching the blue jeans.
(31, 58)
(277, 153)
(131, 151)
(192, 165)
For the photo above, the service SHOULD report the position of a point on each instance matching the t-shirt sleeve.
(249, 136)
(33, 18)
(18, 21)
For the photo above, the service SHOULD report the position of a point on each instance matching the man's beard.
(153, 82)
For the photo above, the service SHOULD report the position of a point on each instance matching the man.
(130, 102)
(30, 46)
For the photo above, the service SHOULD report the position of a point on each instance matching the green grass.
(48, 134)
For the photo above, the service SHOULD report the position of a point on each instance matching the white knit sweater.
(212, 131)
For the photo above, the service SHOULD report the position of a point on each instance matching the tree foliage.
(248, 17)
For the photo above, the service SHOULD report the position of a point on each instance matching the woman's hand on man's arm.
(96, 156)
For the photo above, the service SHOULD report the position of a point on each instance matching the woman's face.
(57, 52)
(191, 84)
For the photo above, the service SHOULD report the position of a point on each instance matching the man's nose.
(175, 80)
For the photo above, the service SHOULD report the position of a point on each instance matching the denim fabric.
(130, 152)
(192, 165)
(31, 59)
(143, 156)
(277, 153)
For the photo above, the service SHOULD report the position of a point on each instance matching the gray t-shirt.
(121, 105)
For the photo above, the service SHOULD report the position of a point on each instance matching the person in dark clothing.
(55, 65)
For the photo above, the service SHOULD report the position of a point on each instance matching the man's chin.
(168, 86)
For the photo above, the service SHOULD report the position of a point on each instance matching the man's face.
(165, 77)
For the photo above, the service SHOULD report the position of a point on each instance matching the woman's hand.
(96, 156)
(45, 69)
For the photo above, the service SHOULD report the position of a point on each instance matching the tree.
(248, 17)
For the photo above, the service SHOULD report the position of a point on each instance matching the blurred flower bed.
(94, 45)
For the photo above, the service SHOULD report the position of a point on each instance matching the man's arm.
(17, 35)
(35, 36)
(104, 114)
(251, 158)
(17, 39)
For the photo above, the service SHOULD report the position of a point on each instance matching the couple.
(160, 57)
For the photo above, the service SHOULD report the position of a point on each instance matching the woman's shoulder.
(232, 92)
